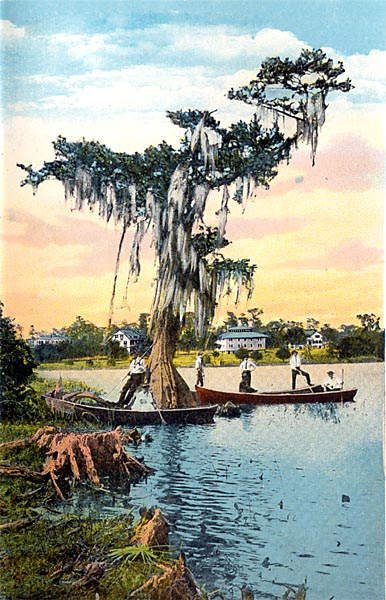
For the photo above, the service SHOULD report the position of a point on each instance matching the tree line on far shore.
(84, 339)
(19, 361)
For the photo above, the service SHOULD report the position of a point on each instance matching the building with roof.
(241, 337)
(45, 339)
(315, 339)
(128, 338)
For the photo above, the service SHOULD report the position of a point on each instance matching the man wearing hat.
(136, 377)
(199, 366)
(295, 364)
(332, 382)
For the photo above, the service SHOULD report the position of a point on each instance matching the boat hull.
(197, 415)
(300, 396)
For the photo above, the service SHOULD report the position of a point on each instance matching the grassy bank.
(218, 359)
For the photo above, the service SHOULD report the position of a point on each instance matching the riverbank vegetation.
(211, 358)
(86, 346)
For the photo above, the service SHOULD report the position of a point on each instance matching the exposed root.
(80, 456)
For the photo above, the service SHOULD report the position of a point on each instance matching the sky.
(109, 71)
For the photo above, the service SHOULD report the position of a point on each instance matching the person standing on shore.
(295, 364)
(199, 366)
(247, 365)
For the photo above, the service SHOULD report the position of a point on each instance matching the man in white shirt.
(332, 382)
(199, 366)
(136, 377)
(247, 365)
(295, 364)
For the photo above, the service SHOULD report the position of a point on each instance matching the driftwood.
(20, 524)
(80, 456)
(20, 471)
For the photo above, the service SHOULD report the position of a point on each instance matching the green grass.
(187, 359)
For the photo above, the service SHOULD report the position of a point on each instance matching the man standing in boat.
(136, 377)
(199, 366)
(247, 365)
(295, 364)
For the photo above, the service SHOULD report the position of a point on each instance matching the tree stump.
(176, 583)
(153, 530)
(82, 456)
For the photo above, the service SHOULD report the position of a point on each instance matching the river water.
(262, 499)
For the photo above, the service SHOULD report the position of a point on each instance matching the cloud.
(11, 32)
(173, 44)
(351, 256)
(74, 240)
(163, 67)
(344, 163)
(259, 228)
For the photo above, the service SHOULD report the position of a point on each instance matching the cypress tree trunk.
(169, 389)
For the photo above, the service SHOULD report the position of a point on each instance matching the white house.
(128, 338)
(241, 337)
(46, 338)
(315, 339)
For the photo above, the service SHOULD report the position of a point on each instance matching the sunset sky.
(109, 70)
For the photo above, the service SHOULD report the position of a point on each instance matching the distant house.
(241, 337)
(52, 339)
(315, 339)
(128, 338)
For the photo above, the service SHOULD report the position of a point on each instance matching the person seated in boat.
(332, 382)
(247, 365)
(136, 377)
(244, 386)
(295, 364)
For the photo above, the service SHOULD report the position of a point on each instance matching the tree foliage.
(17, 399)
(84, 338)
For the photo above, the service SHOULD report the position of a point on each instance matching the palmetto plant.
(141, 552)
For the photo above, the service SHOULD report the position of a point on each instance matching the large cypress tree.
(167, 189)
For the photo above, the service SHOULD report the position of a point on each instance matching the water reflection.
(326, 411)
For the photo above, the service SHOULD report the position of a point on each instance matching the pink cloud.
(352, 255)
(260, 227)
(351, 164)
(96, 246)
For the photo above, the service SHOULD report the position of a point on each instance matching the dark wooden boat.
(71, 405)
(307, 395)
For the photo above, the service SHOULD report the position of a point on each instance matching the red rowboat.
(307, 395)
